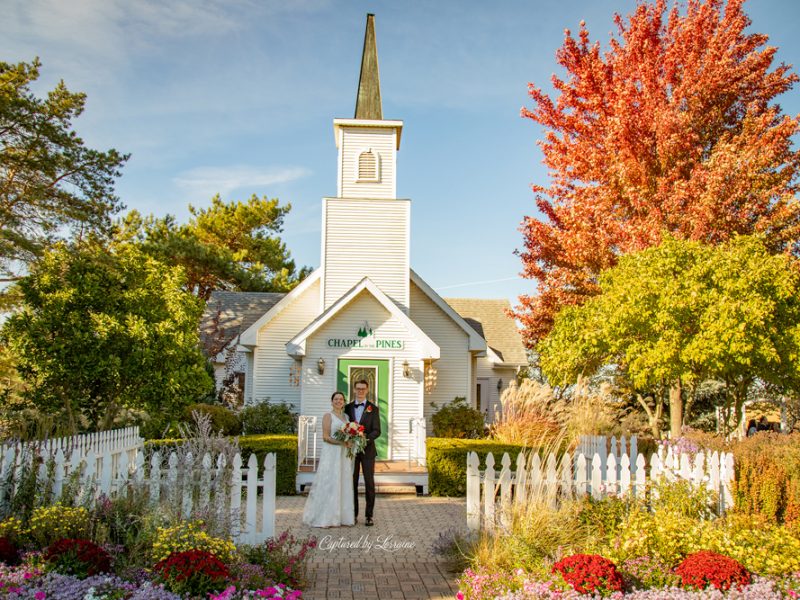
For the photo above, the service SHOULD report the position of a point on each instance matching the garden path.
(393, 559)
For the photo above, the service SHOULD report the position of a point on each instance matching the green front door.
(376, 373)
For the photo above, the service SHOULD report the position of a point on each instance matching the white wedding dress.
(330, 501)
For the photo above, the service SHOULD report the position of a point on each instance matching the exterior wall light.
(321, 366)
(499, 384)
(406, 370)
(294, 373)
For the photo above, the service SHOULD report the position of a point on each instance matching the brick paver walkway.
(393, 559)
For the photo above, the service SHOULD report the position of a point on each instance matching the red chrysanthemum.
(706, 568)
(589, 573)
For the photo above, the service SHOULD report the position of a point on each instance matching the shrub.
(9, 553)
(190, 535)
(266, 418)
(283, 558)
(193, 573)
(589, 573)
(56, 522)
(447, 462)
(285, 449)
(457, 420)
(223, 419)
(11, 529)
(767, 481)
(705, 568)
(80, 558)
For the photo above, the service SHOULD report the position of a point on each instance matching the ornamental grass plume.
(531, 412)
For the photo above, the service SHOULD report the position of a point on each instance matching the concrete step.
(380, 488)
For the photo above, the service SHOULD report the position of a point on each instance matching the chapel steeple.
(368, 101)
(366, 228)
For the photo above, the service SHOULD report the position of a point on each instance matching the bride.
(330, 501)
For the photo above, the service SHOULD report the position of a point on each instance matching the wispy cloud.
(207, 181)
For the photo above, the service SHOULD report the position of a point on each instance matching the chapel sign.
(365, 338)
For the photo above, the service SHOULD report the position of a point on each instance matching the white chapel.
(364, 313)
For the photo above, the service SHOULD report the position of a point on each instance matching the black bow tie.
(358, 405)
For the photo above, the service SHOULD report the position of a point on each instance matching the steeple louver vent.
(368, 166)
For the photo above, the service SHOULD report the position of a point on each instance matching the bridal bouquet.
(352, 432)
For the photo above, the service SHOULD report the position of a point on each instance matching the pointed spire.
(368, 102)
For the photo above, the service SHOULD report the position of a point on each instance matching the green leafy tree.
(103, 331)
(50, 182)
(681, 313)
(225, 246)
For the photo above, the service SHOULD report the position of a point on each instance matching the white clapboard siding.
(372, 234)
(272, 364)
(382, 141)
(491, 498)
(453, 366)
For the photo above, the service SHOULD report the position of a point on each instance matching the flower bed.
(667, 543)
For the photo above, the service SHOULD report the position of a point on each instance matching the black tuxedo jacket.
(371, 420)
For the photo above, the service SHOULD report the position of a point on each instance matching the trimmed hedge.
(447, 462)
(284, 447)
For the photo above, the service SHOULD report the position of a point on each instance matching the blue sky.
(238, 96)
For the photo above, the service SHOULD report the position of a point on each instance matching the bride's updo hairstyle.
(334, 394)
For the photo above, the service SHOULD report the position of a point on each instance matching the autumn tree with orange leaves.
(674, 129)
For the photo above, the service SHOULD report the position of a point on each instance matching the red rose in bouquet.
(352, 432)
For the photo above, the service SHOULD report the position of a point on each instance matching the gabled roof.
(237, 311)
(250, 335)
(490, 319)
(297, 345)
(477, 343)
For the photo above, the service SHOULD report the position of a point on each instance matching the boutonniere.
(369, 408)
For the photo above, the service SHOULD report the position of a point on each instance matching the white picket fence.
(492, 496)
(108, 447)
(188, 487)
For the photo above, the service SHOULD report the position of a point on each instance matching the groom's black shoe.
(369, 522)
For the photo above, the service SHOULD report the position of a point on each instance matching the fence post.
(505, 491)
(473, 492)
(268, 498)
(611, 475)
(236, 493)
(580, 476)
(624, 475)
(520, 481)
(567, 481)
(488, 492)
(597, 477)
(252, 495)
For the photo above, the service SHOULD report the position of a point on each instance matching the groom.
(365, 413)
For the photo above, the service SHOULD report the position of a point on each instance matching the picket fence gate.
(492, 496)
(188, 486)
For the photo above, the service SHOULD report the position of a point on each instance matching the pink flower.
(460, 596)
(27, 575)
(40, 595)
(287, 570)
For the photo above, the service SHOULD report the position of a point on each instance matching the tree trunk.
(653, 416)
(675, 409)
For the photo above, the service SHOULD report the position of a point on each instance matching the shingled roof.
(237, 311)
(490, 319)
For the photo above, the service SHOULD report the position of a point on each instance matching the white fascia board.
(388, 124)
(250, 336)
(297, 345)
(476, 342)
